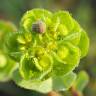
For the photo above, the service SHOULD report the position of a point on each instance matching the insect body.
(39, 27)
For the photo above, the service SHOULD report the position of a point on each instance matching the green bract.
(7, 65)
(47, 45)
(81, 81)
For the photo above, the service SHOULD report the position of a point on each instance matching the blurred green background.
(84, 11)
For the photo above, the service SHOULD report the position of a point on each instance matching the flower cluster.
(46, 45)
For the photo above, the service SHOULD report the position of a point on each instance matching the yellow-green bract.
(49, 45)
(7, 65)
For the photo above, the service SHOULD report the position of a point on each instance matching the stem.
(74, 92)
(53, 93)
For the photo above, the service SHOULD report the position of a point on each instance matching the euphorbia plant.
(48, 47)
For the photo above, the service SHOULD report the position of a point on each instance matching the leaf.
(53, 83)
(7, 65)
(32, 67)
(74, 35)
(37, 85)
(84, 44)
(66, 19)
(81, 81)
(5, 28)
(12, 46)
(7, 69)
(63, 83)
(69, 63)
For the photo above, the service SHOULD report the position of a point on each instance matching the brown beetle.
(39, 27)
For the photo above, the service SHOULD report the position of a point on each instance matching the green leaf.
(62, 83)
(65, 19)
(33, 67)
(37, 85)
(5, 28)
(75, 34)
(81, 81)
(16, 44)
(69, 63)
(55, 83)
(84, 44)
(7, 66)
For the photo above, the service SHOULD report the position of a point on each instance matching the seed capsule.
(39, 27)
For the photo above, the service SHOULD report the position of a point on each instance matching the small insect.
(39, 27)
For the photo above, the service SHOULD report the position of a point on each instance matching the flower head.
(50, 44)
